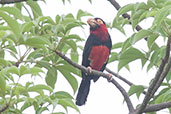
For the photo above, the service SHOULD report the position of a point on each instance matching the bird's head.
(95, 23)
(98, 28)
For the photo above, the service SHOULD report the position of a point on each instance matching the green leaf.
(60, 95)
(36, 10)
(72, 44)
(46, 19)
(51, 77)
(2, 85)
(36, 70)
(41, 109)
(126, 44)
(74, 55)
(68, 103)
(162, 14)
(140, 35)
(36, 41)
(82, 13)
(71, 25)
(58, 113)
(3, 62)
(125, 9)
(168, 76)
(26, 27)
(2, 54)
(138, 89)
(23, 70)
(73, 36)
(14, 25)
(40, 87)
(14, 11)
(151, 40)
(117, 45)
(27, 103)
(129, 55)
(113, 57)
(13, 70)
(70, 78)
(57, 19)
(139, 6)
(118, 23)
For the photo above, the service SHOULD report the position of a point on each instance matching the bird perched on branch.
(95, 55)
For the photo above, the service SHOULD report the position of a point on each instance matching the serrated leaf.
(138, 89)
(14, 25)
(70, 78)
(14, 11)
(140, 35)
(129, 55)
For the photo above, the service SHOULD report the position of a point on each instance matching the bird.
(95, 56)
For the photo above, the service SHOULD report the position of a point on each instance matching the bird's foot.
(110, 77)
(89, 70)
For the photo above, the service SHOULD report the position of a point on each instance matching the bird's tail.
(83, 91)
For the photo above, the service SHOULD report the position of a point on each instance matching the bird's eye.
(99, 21)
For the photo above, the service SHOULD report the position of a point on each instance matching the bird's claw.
(110, 77)
(89, 70)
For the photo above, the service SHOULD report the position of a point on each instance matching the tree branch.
(4, 108)
(151, 91)
(98, 73)
(10, 1)
(157, 107)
